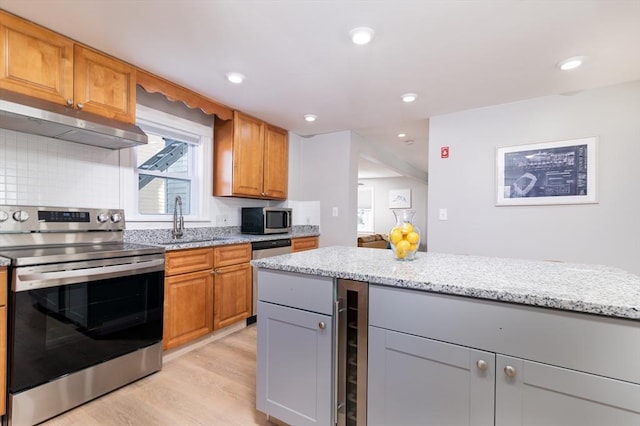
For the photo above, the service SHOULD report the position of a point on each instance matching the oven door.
(70, 316)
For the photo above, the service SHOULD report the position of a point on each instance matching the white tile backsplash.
(36, 170)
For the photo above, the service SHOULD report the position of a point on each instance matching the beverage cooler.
(351, 353)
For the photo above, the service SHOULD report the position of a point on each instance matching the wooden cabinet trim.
(153, 84)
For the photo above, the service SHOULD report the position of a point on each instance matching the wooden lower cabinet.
(189, 311)
(304, 243)
(3, 340)
(206, 289)
(232, 295)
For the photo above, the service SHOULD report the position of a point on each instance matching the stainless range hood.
(29, 115)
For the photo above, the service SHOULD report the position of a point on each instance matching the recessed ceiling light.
(310, 117)
(235, 77)
(361, 35)
(571, 63)
(402, 135)
(409, 97)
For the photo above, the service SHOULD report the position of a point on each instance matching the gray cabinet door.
(419, 381)
(539, 394)
(294, 365)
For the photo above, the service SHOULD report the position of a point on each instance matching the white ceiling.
(298, 59)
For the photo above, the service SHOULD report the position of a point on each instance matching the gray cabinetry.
(295, 347)
(551, 367)
(418, 381)
(540, 394)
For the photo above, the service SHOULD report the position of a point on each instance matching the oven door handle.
(29, 279)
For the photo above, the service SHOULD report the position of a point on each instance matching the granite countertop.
(210, 237)
(593, 289)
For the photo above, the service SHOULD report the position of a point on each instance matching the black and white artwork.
(560, 172)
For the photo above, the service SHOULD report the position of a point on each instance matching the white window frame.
(197, 135)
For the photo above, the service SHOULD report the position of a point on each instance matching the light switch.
(442, 214)
(334, 211)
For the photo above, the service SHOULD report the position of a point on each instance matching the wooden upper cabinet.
(276, 162)
(104, 86)
(248, 155)
(250, 158)
(43, 64)
(35, 61)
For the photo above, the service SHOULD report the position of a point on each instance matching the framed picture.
(400, 198)
(562, 172)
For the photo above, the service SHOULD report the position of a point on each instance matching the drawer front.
(190, 260)
(308, 292)
(306, 243)
(3, 286)
(549, 336)
(231, 255)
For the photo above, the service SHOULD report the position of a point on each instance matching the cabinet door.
(248, 148)
(418, 381)
(276, 162)
(104, 86)
(188, 306)
(232, 295)
(294, 365)
(539, 394)
(35, 61)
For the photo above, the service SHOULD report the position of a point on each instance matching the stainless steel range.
(85, 309)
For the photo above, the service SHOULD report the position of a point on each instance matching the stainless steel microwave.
(265, 220)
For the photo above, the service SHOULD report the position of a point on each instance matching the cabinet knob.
(215, 272)
(510, 371)
(80, 106)
(482, 364)
(322, 325)
(69, 101)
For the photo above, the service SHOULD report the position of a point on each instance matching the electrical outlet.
(442, 214)
(334, 212)
(222, 220)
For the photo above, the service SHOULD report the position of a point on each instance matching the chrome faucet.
(178, 222)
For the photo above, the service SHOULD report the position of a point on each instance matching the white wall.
(384, 218)
(604, 233)
(323, 175)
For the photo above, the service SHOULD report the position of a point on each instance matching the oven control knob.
(20, 216)
(102, 217)
(116, 217)
(3, 215)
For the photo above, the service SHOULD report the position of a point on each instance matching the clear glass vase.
(404, 236)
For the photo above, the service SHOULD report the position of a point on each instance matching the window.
(365, 210)
(165, 170)
(171, 164)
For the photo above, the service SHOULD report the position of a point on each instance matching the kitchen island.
(458, 339)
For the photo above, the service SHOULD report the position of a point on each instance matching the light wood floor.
(211, 385)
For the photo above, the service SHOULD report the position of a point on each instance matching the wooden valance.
(154, 84)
